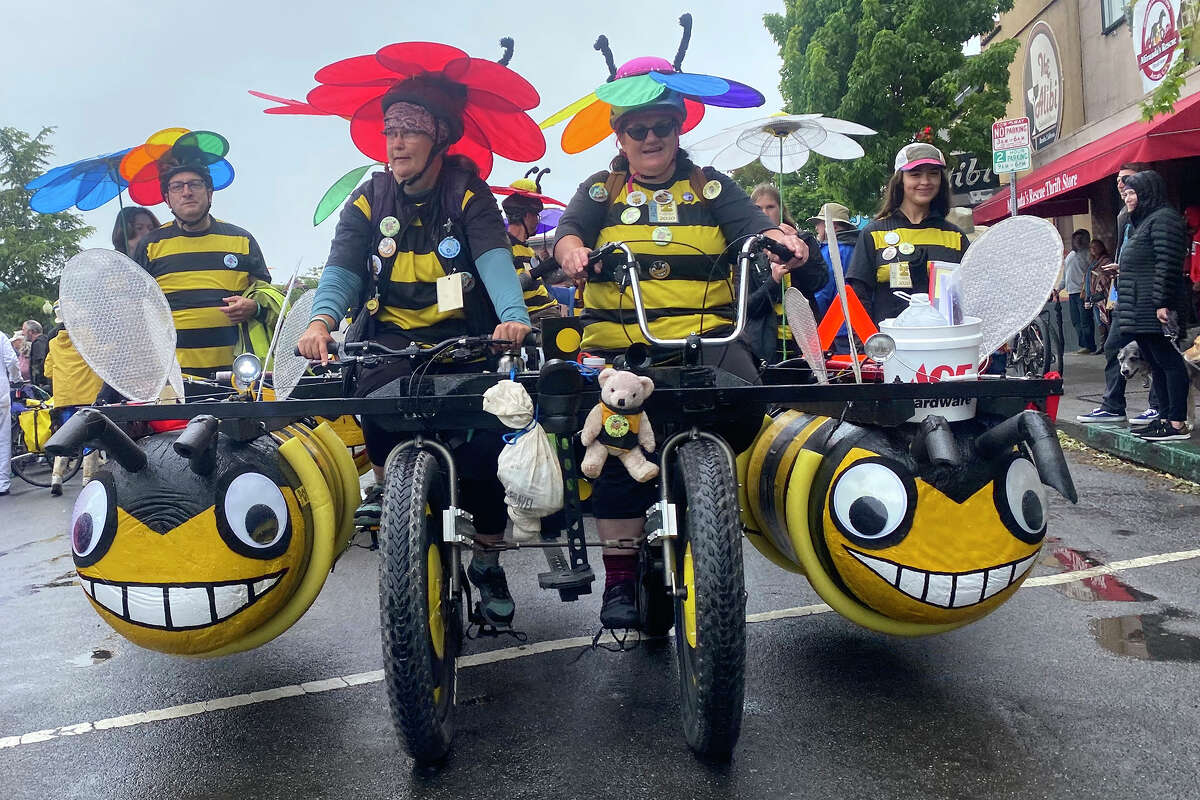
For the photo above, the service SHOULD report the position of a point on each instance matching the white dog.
(1132, 365)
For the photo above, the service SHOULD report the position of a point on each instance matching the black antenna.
(602, 45)
(538, 180)
(507, 44)
(531, 171)
(686, 22)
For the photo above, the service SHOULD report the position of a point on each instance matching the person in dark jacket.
(1149, 288)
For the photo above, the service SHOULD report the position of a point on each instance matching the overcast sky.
(109, 74)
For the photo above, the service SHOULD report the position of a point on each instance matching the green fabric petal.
(631, 91)
(337, 194)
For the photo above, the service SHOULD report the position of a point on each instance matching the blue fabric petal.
(104, 191)
(691, 83)
(739, 95)
(222, 174)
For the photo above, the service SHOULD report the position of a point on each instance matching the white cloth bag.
(527, 467)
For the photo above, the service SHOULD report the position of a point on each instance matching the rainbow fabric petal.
(738, 95)
(336, 195)
(692, 84)
(631, 91)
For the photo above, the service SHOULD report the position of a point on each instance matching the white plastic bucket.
(933, 355)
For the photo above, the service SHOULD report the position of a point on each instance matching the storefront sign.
(971, 181)
(1155, 39)
(1051, 187)
(1043, 85)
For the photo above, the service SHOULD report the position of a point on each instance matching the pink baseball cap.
(918, 153)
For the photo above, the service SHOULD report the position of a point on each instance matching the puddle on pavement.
(97, 656)
(1150, 637)
(1101, 587)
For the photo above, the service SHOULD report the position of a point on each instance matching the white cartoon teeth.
(947, 589)
(174, 608)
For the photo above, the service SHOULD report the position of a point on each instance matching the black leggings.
(479, 490)
(1167, 370)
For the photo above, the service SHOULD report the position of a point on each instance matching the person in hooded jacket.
(1150, 287)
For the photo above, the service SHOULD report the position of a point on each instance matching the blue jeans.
(1081, 318)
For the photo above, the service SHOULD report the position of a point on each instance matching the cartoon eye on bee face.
(912, 541)
(199, 553)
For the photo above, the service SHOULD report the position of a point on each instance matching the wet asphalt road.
(1085, 689)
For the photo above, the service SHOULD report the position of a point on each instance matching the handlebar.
(627, 275)
(357, 351)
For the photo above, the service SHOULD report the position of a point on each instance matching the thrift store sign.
(1043, 85)
(1155, 39)
(1056, 185)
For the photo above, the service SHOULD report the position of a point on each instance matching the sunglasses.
(661, 129)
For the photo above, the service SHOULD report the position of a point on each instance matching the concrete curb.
(1181, 459)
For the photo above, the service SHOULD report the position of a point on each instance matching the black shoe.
(619, 609)
(371, 509)
(1163, 431)
(495, 601)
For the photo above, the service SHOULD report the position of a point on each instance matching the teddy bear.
(617, 425)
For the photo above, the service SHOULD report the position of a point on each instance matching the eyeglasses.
(176, 187)
(395, 133)
(661, 129)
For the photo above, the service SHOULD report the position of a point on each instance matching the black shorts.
(616, 495)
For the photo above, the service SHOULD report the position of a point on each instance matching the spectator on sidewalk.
(1075, 270)
(1101, 274)
(846, 237)
(9, 373)
(21, 347)
(1150, 288)
(39, 345)
(1112, 405)
(75, 385)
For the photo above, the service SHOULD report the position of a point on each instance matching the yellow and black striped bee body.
(907, 530)
(193, 542)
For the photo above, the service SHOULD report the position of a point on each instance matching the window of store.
(1112, 14)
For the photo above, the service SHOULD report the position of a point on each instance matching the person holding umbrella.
(681, 221)
(910, 230)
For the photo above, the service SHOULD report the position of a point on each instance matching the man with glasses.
(203, 265)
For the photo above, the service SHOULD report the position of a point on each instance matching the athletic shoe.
(1143, 419)
(1084, 351)
(55, 486)
(495, 601)
(1099, 415)
(1163, 431)
(619, 609)
(371, 509)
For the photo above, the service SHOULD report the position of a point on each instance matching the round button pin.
(888, 253)
(449, 247)
(663, 197)
(387, 247)
(661, 235)
(637, 199)
(376, 264)
(231, 261)
(631, 215)
(660, 269)
(598, 192)
(468, 281)
(891, 237)
(712, 190)
(906, 248)
(389, 226)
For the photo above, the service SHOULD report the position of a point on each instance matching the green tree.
(893, 65)
(33, 247)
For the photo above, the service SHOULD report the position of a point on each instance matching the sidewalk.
(1083, 386)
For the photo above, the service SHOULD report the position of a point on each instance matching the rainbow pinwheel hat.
(143, 166)
(494, 99)
(645, 82)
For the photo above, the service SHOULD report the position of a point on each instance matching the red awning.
(1173, 136)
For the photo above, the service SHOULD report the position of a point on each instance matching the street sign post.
(1012, 152)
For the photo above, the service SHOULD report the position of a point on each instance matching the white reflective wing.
(119, 322)
(1007, 275)
(804, 330)
(289, 367)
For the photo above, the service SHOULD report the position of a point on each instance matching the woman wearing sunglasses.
(685, 225)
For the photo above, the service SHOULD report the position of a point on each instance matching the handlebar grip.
(601, 252)
(781, 250)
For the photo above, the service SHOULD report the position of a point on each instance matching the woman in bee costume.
(683, 222)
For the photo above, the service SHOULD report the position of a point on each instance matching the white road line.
(492, 657)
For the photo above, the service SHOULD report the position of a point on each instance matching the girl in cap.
(909, 230)
(683, 222)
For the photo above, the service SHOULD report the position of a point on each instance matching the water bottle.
(920, 314)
